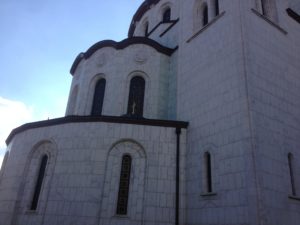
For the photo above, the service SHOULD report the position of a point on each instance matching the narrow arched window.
(124, 185)
(217, 10)
(205, 15)
(268, 9)
(264, 7)
(39, 182)
(136, 97)
(146, 29)
(197, 16)
(207, 172)
(291, 171)
(98, 97)
(167, 15)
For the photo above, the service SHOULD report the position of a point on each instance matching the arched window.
(124, 185)
(39, 183)
(146, 31)
(268, 8)
(291, 171)
(197, 15)
(167, 15)
(98, 97)
(216, 6)
(264, 7)
(205, 14)
(207, 172)
(136, 97)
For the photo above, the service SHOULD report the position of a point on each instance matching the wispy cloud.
(12, 115)
(15, 113)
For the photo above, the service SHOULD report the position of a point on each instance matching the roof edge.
(86, 119)
(121, 45)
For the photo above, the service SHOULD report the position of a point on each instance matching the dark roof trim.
(293, 14)
(86, 119)
(121, 45)
(145, 6)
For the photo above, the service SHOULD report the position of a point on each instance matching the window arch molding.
(115, 154)
(91, 90)
(31, 171)
(138, 146)
(146, 94)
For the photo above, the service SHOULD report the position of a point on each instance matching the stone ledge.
(206, 26)
(99, 119)
(294, 197)
(269, 21)
(208, 194)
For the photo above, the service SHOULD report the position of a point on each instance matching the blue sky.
(38, 43)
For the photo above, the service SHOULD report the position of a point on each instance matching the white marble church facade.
(194, 119)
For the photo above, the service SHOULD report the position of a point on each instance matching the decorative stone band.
(121, 45)
(96, 119)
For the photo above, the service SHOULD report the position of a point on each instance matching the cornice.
(121, 45)
(96, 119)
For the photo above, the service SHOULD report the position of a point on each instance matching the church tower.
(193, 119)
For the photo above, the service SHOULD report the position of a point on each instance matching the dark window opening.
(124, 185)
(39, 183)
(208, 176)
(167, 15)
(98, 97)
(290, 159)
(146, 29)
(217, 10)
(205, 15)
(263, 7)
(136, 97)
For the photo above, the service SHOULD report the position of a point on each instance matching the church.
(193, 119)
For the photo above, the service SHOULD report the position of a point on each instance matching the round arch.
(31, 171)
(131, 75)
(119, 149)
